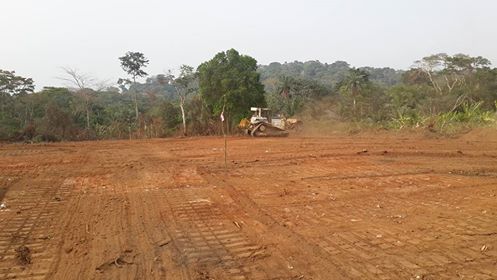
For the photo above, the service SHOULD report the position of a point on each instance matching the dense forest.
(438, 92)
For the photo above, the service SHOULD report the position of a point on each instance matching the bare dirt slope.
(379, 207)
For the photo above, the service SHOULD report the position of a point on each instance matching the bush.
(470, 115)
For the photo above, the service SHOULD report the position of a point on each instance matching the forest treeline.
(438, 92)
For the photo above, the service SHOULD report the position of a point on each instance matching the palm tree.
(354, 82)
(285, 86)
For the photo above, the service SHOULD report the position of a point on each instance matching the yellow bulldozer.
(261, 124)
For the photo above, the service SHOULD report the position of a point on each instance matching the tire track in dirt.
(197, 232)
(290, 243)
(31, 222)
(209, 235)
(201, 236)
(376, 253)
(207, 241)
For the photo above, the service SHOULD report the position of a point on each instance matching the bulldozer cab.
(260, 115)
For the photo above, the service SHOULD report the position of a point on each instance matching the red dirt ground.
(362, 207)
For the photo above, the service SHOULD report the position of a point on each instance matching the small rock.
(484, 248)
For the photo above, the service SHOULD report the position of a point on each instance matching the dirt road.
(378, 207)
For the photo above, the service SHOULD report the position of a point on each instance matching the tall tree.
(353, 83)
(15, 85)
(83, 83)
(231, 81)
(185, 84)
(133, 63)
(452, 77)
(13, 108)
(293, 93)
(430, 65)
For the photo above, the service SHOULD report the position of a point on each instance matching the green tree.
(13, 107)
(169, 114)
(230, 81)
(185, 84)
(12, 86)
(353, 84)
(133, 63)
(83, 84)
(453, 78)
(52, 111)
(15, 85)
(293, 93)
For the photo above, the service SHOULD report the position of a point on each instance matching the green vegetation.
(440, 92)
(133, 63)
(230, 83)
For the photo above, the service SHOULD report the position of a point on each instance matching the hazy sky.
(40, 36)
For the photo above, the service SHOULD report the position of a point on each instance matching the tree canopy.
(231, 81)
(12, 84)
(133, 63)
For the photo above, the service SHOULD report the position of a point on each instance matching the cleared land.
(363, 207)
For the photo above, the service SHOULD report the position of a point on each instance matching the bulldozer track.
(202, 235)
(33, 224)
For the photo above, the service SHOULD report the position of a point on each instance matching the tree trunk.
(181, 105)
(136, 100)
(87, 120)
(432, 81)
(354, 90)
(26, 116)
(136, 106)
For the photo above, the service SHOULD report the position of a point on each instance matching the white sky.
(40, 36)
